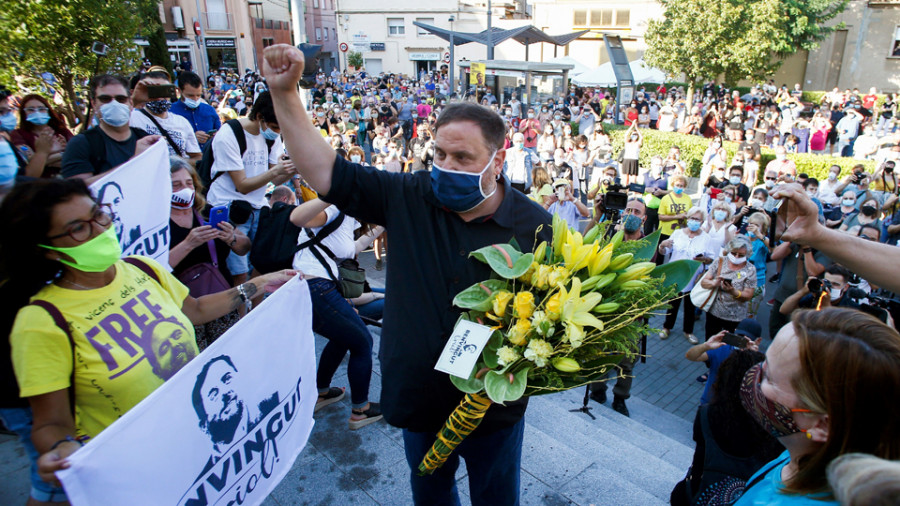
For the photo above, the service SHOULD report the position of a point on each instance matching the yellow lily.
(576, 254)
(575, 309)
(600, 261)
(558, 275)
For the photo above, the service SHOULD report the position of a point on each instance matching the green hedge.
(816, 97)
(693, 147)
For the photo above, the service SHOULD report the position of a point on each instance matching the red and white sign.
(447, 57)
(343, 47)
(197, 27)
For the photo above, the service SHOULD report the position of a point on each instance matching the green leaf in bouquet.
(648, 250)
(489, 354)
(476, 297)
(471, 385)
(505, 260)
(678, 273)
(500, 390)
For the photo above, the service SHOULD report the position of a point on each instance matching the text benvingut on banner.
(139, 194)
(225, 429)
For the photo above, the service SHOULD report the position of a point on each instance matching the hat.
(561, 182)
(749, 328)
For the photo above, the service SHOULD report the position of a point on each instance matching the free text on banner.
(139, 193)
(224, 430)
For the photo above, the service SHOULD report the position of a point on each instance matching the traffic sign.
(343, 47)
(447, 57)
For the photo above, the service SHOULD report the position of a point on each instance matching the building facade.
(865, 53)
(270, 24)
(321, 28)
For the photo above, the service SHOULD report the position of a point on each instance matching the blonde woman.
(718, 225)
(757, 227)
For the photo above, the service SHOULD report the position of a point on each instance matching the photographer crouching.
(820, 293)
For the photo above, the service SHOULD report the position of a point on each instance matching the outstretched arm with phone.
(874, 261)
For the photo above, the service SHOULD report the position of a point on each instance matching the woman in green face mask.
(81, 303)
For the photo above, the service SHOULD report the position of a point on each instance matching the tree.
(355, 59)
(157, 50)
(54, 37)
(704, 39)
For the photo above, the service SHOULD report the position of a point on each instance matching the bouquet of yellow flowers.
(562, 315)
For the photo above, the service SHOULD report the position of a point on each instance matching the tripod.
(585, 408)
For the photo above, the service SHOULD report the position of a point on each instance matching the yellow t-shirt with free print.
(129, 337)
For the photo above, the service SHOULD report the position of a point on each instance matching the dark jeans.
(624, 378)
(335, 319)
(689, 314)
(519, 186)
(492, 462)
(714, 325)
(373, 310)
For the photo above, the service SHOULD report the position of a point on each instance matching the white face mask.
(355, 158)
(735, 260)
(832, 176)
(835, 294)
(756, 203)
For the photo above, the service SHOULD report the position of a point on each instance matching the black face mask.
(868, 210)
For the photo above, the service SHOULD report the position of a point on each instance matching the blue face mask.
(191, 103)
(9, 166)
(115, 114)
(270, 135)
(719, 215)
(459, 191)
(38, 118)
(693, 225)
(678, 191)
(8, 122)
(632, 223)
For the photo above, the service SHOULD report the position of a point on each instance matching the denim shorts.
(19, 420)
(240, 264)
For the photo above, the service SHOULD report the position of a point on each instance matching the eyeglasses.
(105, 99)
(81, 230)
(771, 179)
(32, 110)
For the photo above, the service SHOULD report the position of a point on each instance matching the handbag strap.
(713, 293)
(60, 321)
(315, 242)
(164, 133)
(210, 244)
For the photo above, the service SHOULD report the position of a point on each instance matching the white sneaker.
(664, 334)
(691, 338)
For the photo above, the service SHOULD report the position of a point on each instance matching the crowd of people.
(447, 173)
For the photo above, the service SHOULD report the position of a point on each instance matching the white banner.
(139, 193)
(224, 430)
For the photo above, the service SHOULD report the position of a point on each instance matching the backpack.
(276, 239)
(204, 166)
(97, 146)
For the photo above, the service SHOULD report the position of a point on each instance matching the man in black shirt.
(112, 142)
(421, 150)
(435, 220)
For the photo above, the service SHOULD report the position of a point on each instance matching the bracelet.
(243, 293)
(233, 239)
(67, 439)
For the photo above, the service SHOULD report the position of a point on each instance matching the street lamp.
(450, 71)
(261, 16)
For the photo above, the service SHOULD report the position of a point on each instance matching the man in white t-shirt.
(153, 115)
(243, 177)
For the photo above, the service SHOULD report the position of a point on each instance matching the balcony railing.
(220, 21)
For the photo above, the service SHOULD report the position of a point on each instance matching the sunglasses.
(771, 179)
(105, 99)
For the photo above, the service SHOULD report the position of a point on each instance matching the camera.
(156, 91)
(816, 286)
(99, 48)
(858, 177)
(615, 197)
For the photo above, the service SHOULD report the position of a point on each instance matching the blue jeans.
(373, 310)
(335, 319)
(240, 264)
(19, 420)
(492, 461)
